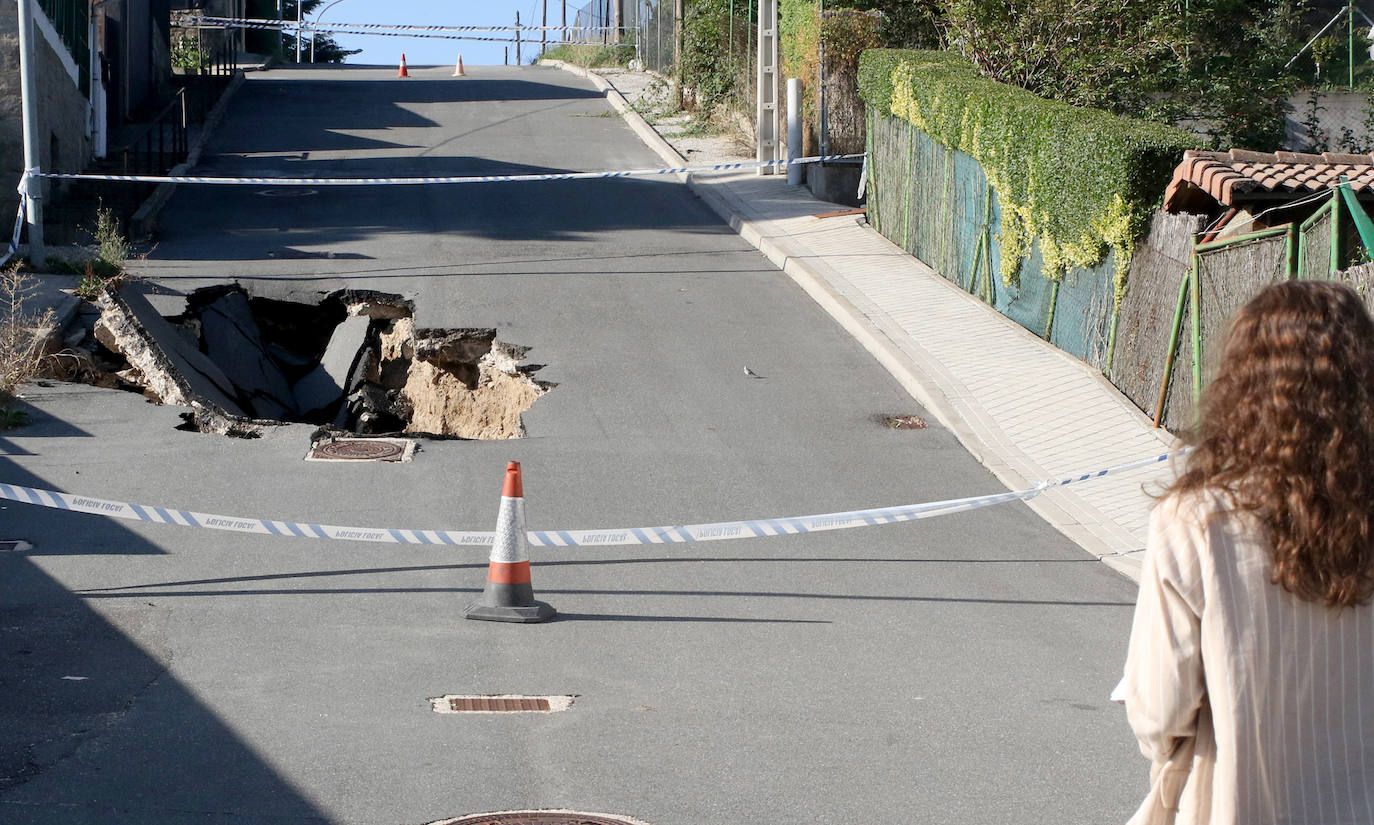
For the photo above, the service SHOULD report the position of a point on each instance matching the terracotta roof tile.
(1231, 176)
(1354, 160)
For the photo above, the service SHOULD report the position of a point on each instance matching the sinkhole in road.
(352, 361)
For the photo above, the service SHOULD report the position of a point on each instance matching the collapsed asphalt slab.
(353, 361)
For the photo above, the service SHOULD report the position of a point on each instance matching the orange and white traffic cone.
(458, 68)
(401, 72)
(509, 594)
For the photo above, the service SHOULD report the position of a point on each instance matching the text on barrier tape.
(673, 534)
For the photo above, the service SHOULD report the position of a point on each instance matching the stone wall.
(63, 114)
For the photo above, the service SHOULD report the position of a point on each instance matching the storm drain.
(15, 546)
(353, 361)
(539, 818)
(361, 449)
(501, 704)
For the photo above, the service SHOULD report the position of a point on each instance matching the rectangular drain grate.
(501, 704)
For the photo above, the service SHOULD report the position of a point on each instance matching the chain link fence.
(655, 36)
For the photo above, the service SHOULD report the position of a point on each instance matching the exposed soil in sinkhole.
(352, 361)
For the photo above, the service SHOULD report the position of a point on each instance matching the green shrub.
(1076, 181)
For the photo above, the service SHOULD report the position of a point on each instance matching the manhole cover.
(362, 449)
(904, 422)
(539, 818)
(501, 704)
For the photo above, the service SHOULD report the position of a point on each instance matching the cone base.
(526, 614)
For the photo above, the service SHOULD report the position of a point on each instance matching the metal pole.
(28, 82)
(281, 16)
(1350, 21)
(565, 19)
(820, 92)
(299, 4)
(315, 27)
(518, 61)
(794, 131)
(679, 40)
(544, 30)
(730, 34)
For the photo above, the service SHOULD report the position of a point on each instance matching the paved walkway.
(1027, 410)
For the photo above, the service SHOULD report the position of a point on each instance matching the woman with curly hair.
(1250, 675)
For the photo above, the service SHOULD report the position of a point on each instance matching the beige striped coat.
(1253, 706)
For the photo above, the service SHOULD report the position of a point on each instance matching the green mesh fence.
(937, 204)
(1083, 312)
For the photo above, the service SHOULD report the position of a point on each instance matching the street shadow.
(93, 727)
(624, 617)
(298, 115)
(428, 568)
(264, 220)
(38, 424)
(654, 264)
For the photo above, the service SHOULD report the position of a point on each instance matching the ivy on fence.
(1075, 181)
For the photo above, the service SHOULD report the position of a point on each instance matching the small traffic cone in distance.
(401, 72)
(458, 68)
(509, 594)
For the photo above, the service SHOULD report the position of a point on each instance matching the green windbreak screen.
(936, 203)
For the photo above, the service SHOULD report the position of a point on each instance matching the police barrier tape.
(384, 30)
(13, 248)
(269, 23)
(671, 534)
(626, 173)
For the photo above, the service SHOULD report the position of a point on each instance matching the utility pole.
(33, 190)
(680, 39)
(544, 31)
(518, 61)
(766, 105)
(565, 21)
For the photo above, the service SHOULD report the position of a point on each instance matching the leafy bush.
(1219, 66)
(1077, 181)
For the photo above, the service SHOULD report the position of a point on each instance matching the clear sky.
(419, 51)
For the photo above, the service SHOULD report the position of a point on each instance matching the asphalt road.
(948, 671)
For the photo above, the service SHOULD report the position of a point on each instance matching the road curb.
(918, 379)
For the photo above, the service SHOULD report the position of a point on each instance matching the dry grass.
(21, 340)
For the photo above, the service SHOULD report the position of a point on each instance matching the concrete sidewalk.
(1026, 409)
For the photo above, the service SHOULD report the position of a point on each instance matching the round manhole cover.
(539, 818)
(359, 450)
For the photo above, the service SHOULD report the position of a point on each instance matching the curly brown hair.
(1287, 432)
